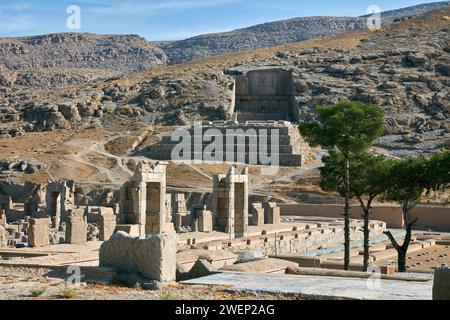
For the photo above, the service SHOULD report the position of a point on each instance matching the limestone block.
(131, 229)
(38, 232)
(2, 217)
(205, 221)
(441, 285)
(257, 215)
(272, 213)
(170, 229)
(154, 257)
(200, 269)
(107, 223)
(76, 227)
(3, 240)
(383, 255)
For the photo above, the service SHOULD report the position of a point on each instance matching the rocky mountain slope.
(403, 68)
(402, 13)
(278, 33)
(92, 132)
(71, 58)
(66, 58)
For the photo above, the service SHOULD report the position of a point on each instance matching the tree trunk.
(403, 249)
(366, 239)
(347, 214)
(366, 230)
(401, 260)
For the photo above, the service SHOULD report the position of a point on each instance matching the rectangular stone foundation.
(154, 257)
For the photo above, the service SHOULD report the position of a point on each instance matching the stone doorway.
(266, 94)
(54, 207)
(153, 208)
(240, 224)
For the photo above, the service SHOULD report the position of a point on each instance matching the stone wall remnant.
(3, 239)
(179, 209)
(154, 258)
(3, 220)
(76, 226)
(107, 223)
(205, 219)
(38, 232)
(441, 285)
(272, 213)
(257, 215)
(60, 198)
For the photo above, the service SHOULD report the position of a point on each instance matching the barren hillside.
(88, 132)
(279, 33)
(67, 58)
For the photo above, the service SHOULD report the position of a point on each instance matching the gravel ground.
(23, 283)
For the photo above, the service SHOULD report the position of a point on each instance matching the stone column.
(2, 217)
(76, 226)
(38, 232)
(272, 213)
(257, 215)
(107, 223)
(205, 223)
(3, 240)
(140, 205)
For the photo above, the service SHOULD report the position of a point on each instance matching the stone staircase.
(250, 142)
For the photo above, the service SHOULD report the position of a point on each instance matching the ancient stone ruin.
(76, 226)
(59, 199)
(153, 257)
(265, 94)
(230, 202)
(38, 232)
(269, 143)
(143, 200)
(158, 235)
(261, 130)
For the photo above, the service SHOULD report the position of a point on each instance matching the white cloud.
(15, 6)
(15, 16)
(133, 8)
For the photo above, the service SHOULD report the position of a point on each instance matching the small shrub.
(68, 293)
(168, 296)
(37, 292)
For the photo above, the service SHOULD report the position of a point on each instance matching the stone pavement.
(320, 286)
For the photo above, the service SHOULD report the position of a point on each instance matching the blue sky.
(170, 19)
